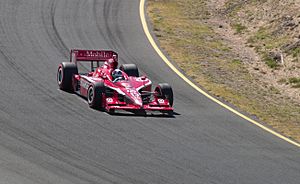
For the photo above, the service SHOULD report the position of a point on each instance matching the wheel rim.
(90, 95)
(59, 75)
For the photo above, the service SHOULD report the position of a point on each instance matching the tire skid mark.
(29, 79)
(48, 18)
(58, 152)
(111, 31)
(73, 107)
(13, 62)
(89, 145)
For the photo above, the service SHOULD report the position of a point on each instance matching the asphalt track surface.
(50, 136)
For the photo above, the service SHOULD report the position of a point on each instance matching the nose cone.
(138, 101)
(135, 97)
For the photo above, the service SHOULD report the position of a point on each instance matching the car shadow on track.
(138, 114)
(149, 114)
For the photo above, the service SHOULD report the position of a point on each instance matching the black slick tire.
(165, 91)
(65, 73)
(95, 95)
(130, 69)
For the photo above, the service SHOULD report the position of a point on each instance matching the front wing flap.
(155, 105)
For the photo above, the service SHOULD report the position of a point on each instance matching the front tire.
(65, 74)
(94, 96)
(165, 91)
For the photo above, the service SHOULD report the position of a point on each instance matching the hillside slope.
(244, 52)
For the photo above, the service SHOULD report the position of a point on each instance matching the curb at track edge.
(183, 77)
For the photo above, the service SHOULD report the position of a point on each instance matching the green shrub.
(296, 52)
(294, 80)
(239, 28)
(271, 62)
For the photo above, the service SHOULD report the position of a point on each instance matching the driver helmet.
(117, 73)
(112, 63)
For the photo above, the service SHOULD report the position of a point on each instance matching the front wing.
(155, 105)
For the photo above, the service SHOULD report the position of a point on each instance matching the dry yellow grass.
(184, 33)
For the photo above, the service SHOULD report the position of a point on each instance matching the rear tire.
(65, 74)
(130, 70)
(165, 91)
(94, 96)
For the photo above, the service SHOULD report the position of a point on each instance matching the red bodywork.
(132, 93)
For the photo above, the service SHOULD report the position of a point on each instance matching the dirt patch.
(227, 52)
(271, 29)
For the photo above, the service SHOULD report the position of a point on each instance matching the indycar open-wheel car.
(107, 87)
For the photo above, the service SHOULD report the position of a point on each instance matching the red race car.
(110, 88)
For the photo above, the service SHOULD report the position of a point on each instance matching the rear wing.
(92, 55)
